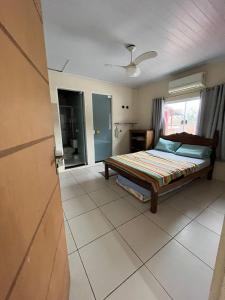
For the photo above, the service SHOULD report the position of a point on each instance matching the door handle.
(58, 159)
(110, 122)
(97, 131)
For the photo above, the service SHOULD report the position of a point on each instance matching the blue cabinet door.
(102, 118)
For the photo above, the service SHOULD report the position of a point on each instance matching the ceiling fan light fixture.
(133, 71)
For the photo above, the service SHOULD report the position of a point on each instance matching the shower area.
(71, 109)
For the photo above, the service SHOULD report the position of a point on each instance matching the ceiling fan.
(133, 69)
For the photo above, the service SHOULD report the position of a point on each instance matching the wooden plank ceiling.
(91, 33)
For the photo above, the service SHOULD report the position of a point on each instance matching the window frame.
(182, 98)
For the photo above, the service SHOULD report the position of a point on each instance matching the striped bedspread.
(153, 169)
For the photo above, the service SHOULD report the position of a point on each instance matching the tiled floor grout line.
(191, 219)
(68, 219)
(143, 213)
(85, 192)
(143, 263)
(86, 274)
(197, 215)
(194, 254)
(87, 211)
(194, 220)
(72, 252)
(111, 292)
(142, 260)
(172, 238)
(160, 226)
(104, 185)
(120, 225)
(73, 197)
(159, 282)
(208, 228)
(83, 265)
(72, 235)
(80, 254)
(97, 238)
(97, 206)
(105, 203)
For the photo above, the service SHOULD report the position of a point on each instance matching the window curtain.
(212, 116)
(157, 117)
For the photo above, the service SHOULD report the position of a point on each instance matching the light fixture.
(133, 71)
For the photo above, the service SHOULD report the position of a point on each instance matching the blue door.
(102, 118)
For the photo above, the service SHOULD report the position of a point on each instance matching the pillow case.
(167, 145)
(194, 151)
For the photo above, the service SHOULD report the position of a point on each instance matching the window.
(181, 115)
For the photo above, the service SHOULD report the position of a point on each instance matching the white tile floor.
(118, 250)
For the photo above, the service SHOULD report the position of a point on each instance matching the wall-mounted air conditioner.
(187, 84)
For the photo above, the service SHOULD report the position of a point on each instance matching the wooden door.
(33, 258)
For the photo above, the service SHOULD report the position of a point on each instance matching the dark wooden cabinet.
(141, 139)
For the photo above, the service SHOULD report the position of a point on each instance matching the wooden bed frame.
(184, 138)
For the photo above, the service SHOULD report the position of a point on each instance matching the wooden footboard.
(166, 188)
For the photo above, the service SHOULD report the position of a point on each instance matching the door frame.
(84, 123)
(108, 95)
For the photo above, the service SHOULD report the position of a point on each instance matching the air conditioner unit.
(187, 84)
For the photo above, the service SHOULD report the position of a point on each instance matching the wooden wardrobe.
(33, 256)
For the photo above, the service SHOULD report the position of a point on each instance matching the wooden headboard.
(191, 139)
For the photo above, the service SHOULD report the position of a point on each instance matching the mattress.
(201, 163)
(145, 195)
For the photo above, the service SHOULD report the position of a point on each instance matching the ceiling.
(91, 33)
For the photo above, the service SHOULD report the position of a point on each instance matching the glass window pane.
(181, 116)
(191, 116)
(174, 117)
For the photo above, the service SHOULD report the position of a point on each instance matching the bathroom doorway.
(71, 109)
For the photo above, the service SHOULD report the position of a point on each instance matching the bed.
(143, 194)
(176, 170)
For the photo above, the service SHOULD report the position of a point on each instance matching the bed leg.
(209, 175)
(106, 171)
(154, 202)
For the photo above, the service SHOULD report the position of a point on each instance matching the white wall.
(139, 101)
(215, 74)
(120, 96)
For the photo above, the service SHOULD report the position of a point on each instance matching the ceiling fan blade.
(145, 56)
(115, 66)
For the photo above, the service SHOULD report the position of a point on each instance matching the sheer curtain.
(212, 116)
(157, 117)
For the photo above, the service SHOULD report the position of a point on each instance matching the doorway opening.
(71, 109)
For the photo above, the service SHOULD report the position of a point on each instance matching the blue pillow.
(194, 151)
(167, 145)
